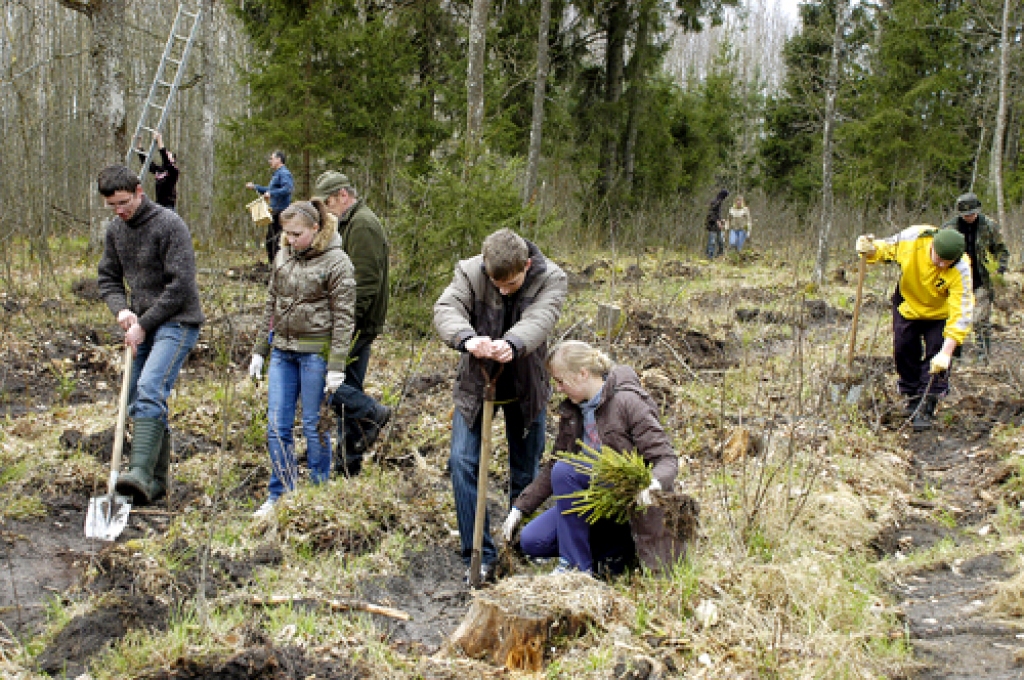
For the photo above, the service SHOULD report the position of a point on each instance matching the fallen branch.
(672, 349)
(335, 605)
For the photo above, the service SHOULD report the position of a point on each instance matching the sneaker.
(563, 567)
(486, 574)
(265, 509)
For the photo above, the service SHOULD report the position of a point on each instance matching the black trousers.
(273, 236)
(915, 342)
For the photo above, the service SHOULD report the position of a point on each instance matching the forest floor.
(834, 541)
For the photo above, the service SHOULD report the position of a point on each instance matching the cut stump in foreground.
(510, 624)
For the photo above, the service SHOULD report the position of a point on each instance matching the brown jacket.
(471, 305)
(311, 299)
(627, 420)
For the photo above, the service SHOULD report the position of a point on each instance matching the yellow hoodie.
(928, 292)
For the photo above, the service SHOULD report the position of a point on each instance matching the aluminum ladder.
(165, 84)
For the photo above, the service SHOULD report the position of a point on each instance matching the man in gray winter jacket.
(149, 247)
(499, 310)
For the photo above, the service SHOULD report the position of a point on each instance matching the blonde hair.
(576, 355)
(312, 213)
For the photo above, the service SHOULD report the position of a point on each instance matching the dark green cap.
(949, 244)
(328, 183)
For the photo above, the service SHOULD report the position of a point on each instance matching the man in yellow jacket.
(933, 308)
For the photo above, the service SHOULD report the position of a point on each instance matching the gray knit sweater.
(153, 254)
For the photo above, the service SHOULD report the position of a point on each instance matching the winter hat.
(949, 244)
(329, 182)
(968, 204)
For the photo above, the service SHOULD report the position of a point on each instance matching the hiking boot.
(163, 467)
(368, 429)
(146, 443)
(923, 420)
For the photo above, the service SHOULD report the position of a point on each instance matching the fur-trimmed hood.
(325, 239)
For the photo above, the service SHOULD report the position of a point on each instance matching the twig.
(335, 605)
(672, 349)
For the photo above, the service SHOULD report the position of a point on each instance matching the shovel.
(850, 383)
(481, 483)
(108, 515)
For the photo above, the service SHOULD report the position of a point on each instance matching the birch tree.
(476, 54)
(1000, 132)
(827, 198)
(539, 88)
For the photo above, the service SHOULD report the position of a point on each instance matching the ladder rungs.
(165, 83)
(190, 14)
(155, 106)
(148, 129)
(181, 37)
(173, 61)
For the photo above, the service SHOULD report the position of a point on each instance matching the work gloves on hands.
(256, 367)
(334, 380)
(866, 245)
(940, 363)
(644, 498)
(509, 526)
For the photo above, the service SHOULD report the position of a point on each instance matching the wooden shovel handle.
(861, 272)
(122, 412)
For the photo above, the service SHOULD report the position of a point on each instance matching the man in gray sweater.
(148, 247)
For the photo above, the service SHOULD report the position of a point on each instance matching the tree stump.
(511, 638)
(609, 320)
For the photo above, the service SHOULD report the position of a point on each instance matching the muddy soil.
(946, 607)
(261, 663)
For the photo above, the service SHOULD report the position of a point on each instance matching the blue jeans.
(568, 535)
(155, 369)
(716, 244)
(293, 376)
(737, 237)
(358, 405)
(525, 446)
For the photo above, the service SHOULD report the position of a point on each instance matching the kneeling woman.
(605, 406)
(310, 314)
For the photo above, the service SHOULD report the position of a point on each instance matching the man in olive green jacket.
(363, 239)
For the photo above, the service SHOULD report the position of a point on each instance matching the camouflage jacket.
(983, 240)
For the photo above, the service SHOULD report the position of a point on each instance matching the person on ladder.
(165, 172)
(933, 308)
(149, 248)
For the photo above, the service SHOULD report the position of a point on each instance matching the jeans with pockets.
(155, 369)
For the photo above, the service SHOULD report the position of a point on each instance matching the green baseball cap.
(949, 244)
(328, 183)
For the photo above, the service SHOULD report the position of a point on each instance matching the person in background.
(933, 307)
(165, 172)
(740, 224)
(361, 417)
(280, 192)
(310, 308)
(983, 240)
(604, 406)
(714, 224)
(499, 310)
(148, 250)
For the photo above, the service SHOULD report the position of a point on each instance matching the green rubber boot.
(163, 467)
(138, 481)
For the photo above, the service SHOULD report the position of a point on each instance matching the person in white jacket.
(740, 224)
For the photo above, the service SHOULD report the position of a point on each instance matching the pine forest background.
(648, 108)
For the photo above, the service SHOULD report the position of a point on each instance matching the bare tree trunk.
(638, 73)
(1000, 133)
(539, 87)
(207, 137)
(618, 22)
(827, 198)
(475, 77)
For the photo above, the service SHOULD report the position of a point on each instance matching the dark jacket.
(983, 238)
(364, 241)
(280, 189)
(310, 299)
(627, 420)
(713, 222)
(166, 174)
(471, 305)
(153, 253)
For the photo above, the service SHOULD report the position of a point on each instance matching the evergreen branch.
(615, 481)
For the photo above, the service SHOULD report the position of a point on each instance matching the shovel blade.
(107, 516)
(849, 394)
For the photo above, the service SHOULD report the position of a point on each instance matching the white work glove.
(866, 244)
(644, 498)
(509, 526)
(334, 380)
(940, 363)
(256, 367)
